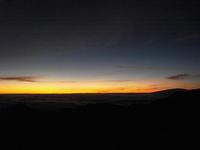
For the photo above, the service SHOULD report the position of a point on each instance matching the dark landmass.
(100, 121)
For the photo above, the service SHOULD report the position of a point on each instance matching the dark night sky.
(120, 46)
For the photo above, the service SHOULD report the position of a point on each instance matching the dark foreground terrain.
(167, 119)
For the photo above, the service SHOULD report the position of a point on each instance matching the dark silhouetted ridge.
(163, 120)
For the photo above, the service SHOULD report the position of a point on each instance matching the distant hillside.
(170, 91)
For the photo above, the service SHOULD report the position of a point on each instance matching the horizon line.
(97, 92)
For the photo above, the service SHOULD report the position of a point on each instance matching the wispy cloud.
(20, 78)
(179, 76)
(139, 68)
(188, 37)
(91, 81)
(67, 81)
(118, 80)
(197, 75)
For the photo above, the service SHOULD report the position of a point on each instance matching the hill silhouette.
(162, 121)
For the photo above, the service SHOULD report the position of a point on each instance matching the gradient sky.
(80, 46)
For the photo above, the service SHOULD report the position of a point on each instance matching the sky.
(81, 46)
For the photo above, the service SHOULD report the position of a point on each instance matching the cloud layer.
(178, 76)
(20, 78)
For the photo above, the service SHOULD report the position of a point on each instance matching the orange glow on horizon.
(85, 87)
